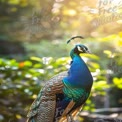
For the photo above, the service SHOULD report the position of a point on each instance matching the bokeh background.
(33, 48)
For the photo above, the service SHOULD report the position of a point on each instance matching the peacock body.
(65, 93)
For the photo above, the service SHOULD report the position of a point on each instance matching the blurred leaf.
(109, 53)
(120, 34)
(118, 82)
(100, 85)
(14, 2)
(36, 59)
(18, 116)
(91, 56)
(28, 63)
(120, 43)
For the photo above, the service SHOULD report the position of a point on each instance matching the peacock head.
(80, 49)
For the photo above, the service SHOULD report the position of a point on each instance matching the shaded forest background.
(33, 48)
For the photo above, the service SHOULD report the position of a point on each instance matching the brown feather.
(43, 107)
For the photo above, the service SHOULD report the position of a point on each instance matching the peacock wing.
(43, 107)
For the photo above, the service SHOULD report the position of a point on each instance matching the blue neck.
(79, 74)
(72, 54)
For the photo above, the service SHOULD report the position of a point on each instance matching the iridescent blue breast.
(79, 74)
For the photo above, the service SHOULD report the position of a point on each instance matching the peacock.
(64, 94)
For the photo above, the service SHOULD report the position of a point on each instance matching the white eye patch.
(79, 49)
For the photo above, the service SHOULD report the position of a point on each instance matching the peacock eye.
(86, 48)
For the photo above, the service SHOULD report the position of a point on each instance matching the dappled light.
(33, 48)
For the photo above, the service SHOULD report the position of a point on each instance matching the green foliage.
(118, 82)
(43, 48)
(20, 83)
(29, 20)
